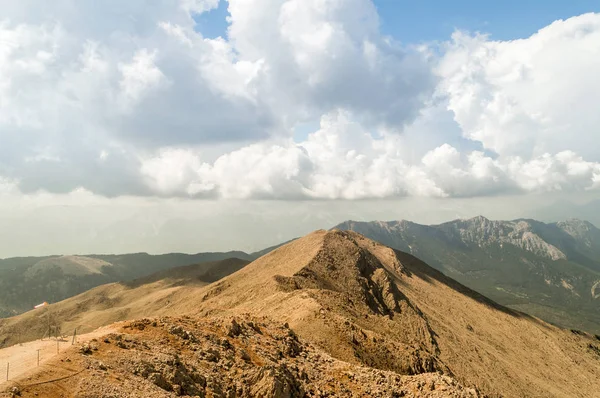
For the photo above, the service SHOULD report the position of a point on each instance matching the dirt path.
(18, 360)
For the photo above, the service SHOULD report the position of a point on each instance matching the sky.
(197, 125)
(430, 20)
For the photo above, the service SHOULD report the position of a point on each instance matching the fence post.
(74, 336)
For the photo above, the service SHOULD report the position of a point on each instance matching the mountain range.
(113, 302)
(548, 270)
(28, 281)
(329, 314)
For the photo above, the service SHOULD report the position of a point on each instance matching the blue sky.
(413, 21)
(424, 20)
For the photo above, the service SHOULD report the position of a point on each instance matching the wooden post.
(74, 336)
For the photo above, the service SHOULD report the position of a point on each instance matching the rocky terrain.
(548, 270)
(330, 314)
(218, 357)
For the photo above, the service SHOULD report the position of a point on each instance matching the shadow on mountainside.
(418, 268)
(200, 274)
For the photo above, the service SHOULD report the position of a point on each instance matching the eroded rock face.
(350, 282)
(260, 358)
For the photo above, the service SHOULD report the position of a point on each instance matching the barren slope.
(114, 302)
(367, 304)
(69, 265)
(56, 278)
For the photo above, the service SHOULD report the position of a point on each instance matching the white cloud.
(531, 96)
(171, 171)
(140, 75)
(320, 55)
(343, 161)
(135, 101)
(137, 76)
(199, 6)
(563, 171)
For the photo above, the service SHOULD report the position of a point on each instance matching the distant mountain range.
(548, 270)
(112, 302)
(27, 281)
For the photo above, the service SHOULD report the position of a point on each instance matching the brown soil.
(23, 358)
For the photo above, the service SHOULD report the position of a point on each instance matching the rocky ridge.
(549, 270)
(221, 357)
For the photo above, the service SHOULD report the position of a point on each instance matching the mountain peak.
(344, 286)
(366, 303)
(343, 298)
(479, 218)
(581, 230)
(477, 221)
(576, 223)
(344, 262)
(351, 225)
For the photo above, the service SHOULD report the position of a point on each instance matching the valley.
(28, 281)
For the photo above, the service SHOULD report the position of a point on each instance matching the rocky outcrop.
(243, 357)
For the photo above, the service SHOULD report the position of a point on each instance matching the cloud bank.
(127, 98)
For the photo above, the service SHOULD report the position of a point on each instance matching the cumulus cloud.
(530, 96)
(343, 161)
(322, 55)
(128, 98)
(141, 78)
